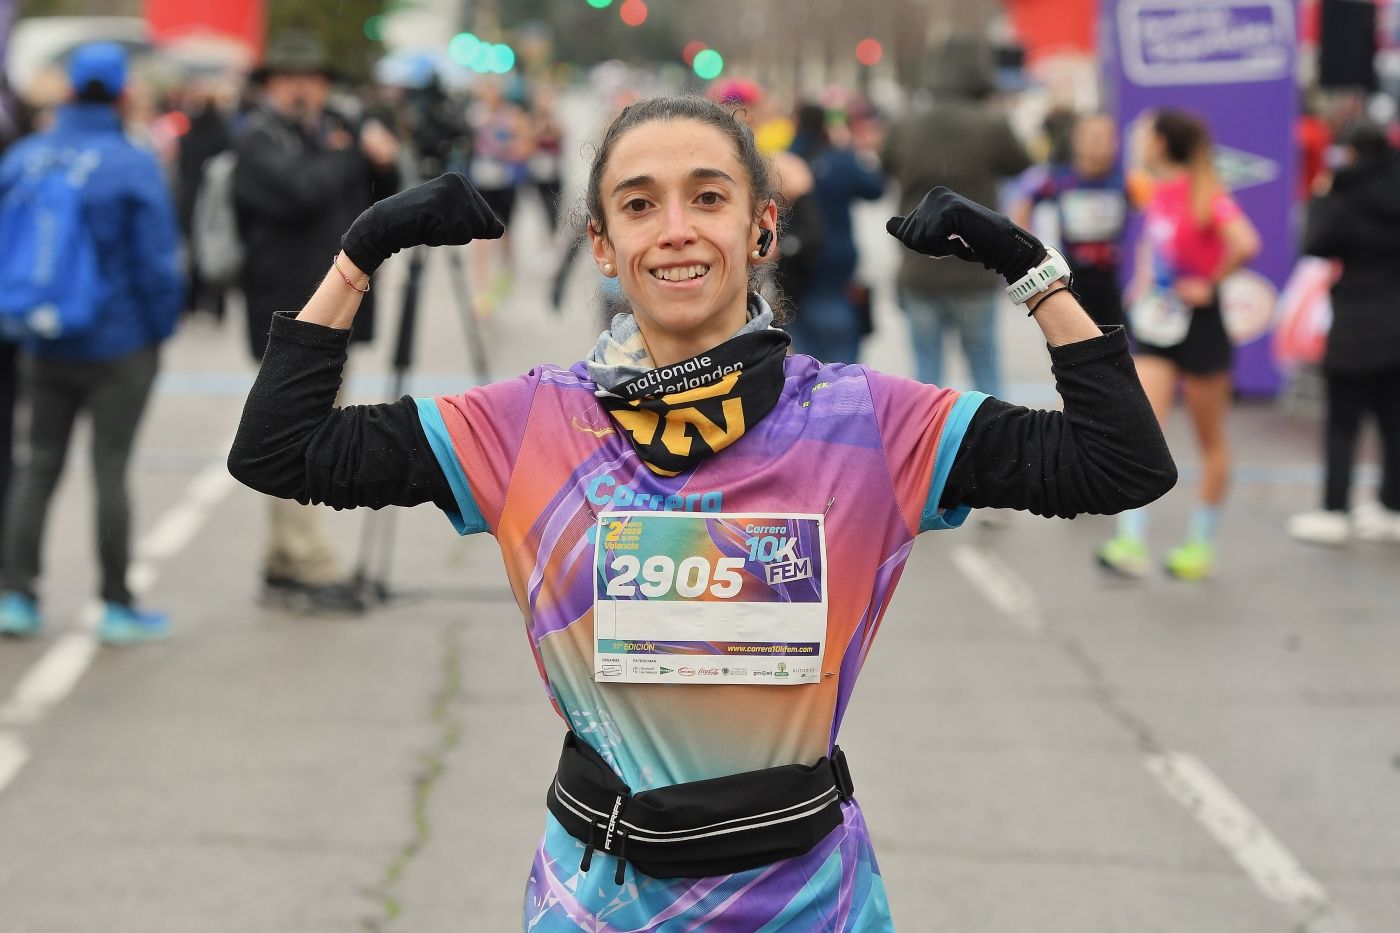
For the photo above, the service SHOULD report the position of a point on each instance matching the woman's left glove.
(446, 210)
(947, 224)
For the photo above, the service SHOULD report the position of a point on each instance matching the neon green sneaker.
(1126, 555)
(1194, 560)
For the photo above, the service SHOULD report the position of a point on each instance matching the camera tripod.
(376, 557)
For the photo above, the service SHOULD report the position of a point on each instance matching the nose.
(677, 232)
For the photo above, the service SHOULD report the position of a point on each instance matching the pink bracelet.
(335, 261)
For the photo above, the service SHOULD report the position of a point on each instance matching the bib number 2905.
(691, 578)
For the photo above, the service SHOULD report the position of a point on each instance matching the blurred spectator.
(963, 144)
(794, 180)
(1314, 137)
(107, 369)
(304, 174)
(14, 119)
(1090, 201)
(829, 324)
(546, 162)
(501, 148)
(206, 137)
(772, 130)
(1358, 222)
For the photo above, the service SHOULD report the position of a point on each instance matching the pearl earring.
(755, 255)
(607, 268)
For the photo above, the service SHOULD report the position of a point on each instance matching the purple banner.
(1232, 63)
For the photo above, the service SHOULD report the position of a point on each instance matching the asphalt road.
(1037, 748)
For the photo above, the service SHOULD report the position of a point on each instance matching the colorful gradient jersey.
(536, 462)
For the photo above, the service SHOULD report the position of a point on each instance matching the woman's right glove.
(947, 224)
(446, 210)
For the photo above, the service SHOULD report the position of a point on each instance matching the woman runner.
(702, 530)
(1194, 235)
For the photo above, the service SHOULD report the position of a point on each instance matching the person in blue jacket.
(105, 371)
(827, 323)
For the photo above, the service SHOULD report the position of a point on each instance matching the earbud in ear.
(765, 241)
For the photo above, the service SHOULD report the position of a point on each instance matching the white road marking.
(13, 755)
(53, 677)
(1248, 841)
(179, 524)
(999, 585)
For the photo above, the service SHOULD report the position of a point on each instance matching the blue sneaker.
(123, 625)
(19, 616)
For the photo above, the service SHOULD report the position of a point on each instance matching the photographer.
(304, 173)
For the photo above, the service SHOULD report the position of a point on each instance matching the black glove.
(947, 224)
(443, 211)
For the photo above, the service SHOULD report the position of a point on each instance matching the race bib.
(1159, 318)
(714, 598)
(490, 173)
(1092, 216)
(544, 166)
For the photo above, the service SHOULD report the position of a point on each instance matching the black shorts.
(501, 201)
(1206, 350)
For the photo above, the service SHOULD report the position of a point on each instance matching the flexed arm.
(292, 441)
(1102, 454)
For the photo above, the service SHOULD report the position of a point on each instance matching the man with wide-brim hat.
(294, 53)
(304, 173)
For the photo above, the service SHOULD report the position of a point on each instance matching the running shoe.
(1320, 527)
(285, 593)
(123, 625)
(19, 616)
(1374, 522)
(1194, 560)
(1125, 555)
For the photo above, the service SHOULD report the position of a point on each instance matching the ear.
(767, 219)
(602, 247)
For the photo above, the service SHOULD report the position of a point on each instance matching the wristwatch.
(1041, 278)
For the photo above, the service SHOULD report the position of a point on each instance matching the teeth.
(680, 273)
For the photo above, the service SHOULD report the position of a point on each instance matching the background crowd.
(234, 188)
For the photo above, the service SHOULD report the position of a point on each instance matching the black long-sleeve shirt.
(1102, 454)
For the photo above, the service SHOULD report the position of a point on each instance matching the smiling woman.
(702, 529)
(688, 196)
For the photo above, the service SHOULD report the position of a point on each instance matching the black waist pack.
(702, 828)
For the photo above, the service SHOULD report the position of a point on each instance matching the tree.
(342, 31)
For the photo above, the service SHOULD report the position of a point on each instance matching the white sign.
(1166, 42)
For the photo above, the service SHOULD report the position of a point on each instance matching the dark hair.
(1058, 127)
(1370, 143)
(1184, 134)
(1187, 141)
(657, 109)
(700, 110)
(95, 92)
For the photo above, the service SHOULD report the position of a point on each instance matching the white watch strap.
(1040, 278)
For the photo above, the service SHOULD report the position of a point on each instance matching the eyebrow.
(641, 181)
